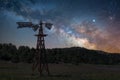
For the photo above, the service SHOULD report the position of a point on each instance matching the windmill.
(40, 59)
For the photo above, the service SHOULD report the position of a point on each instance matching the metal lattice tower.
(40, 60)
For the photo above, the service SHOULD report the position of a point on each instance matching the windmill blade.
(35, 27)
(48, 25)
(24, 24)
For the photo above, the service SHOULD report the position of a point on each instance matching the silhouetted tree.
(74, 55)
(24, 53)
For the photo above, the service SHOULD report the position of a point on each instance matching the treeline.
(74, 55)
(9, 52)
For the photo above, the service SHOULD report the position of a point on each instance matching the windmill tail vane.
(27, 25)
(24, 24)
(31, 25)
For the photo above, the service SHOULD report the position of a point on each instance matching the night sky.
(93, 24)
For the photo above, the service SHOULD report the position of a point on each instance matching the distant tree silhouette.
(24, 54)
(7, 51)
(74, 55)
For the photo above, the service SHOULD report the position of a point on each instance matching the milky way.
(91, 24)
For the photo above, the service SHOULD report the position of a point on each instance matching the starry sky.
(93, 24)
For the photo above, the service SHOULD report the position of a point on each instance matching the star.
(111, 17)
(94, 20)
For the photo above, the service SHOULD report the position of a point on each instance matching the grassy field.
(22, 71)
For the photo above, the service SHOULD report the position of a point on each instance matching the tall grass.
(22, 71)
